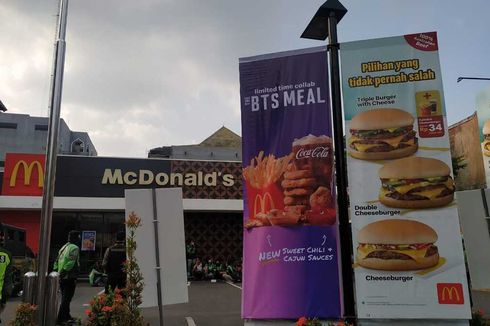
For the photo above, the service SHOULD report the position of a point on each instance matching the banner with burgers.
(290, 238)
(483, 111)
(407, 244)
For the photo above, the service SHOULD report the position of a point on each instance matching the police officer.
(5, 270)
(68, 265)
(113, 263)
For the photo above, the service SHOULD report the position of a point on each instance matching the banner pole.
(341, 171)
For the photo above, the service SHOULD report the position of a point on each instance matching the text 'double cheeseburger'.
(381, 134)
(486, 140)
(397, 245)
(416, 182)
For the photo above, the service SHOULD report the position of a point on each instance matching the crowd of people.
(215, 270)
(209, 268)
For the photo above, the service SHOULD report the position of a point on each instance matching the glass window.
(41, 127)
(8, 125)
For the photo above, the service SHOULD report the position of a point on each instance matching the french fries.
(263, 171)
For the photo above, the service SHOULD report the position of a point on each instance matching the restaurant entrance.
(104, 224)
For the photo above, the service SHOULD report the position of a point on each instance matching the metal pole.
(472, 78)
(340, 167)
(51, 156)
(28, 287)
(157, 256)
(52, 303)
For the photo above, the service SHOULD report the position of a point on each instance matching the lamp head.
(317, 29)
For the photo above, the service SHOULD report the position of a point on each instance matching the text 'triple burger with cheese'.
(416, 182)
(486, 140)
(397, 245)
(381, 134)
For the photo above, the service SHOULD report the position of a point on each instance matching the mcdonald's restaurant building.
(89, 196)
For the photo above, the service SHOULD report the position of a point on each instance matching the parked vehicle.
(23, 259)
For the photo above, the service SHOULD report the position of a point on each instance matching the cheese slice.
(365, 147)
(395, 142)
(417, 255)
(432, 192)
(406, 188)
(353, 139)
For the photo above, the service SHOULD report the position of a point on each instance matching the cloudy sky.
(148, 73)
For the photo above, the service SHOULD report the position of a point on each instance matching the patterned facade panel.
(218, 236)
(220, 180)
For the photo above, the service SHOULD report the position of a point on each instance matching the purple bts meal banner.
(290, 237)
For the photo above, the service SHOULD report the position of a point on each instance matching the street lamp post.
(2, 107)
(473, 78)
(51, 157)
(323, 25)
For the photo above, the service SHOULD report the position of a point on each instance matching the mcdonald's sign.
(450, 293)
(23, 175)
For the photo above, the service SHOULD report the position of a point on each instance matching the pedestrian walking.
(113, 263)
(190, 255)
(67, 264)
(5, 271)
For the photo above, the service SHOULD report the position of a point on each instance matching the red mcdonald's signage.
(450, 293)
(23, 175)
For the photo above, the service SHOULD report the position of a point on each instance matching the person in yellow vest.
(67, 264)
(5, 271)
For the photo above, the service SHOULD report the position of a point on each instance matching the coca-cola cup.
(314, 154)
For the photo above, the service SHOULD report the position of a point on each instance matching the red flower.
(88, 312)
(107, 309)
(302, 321)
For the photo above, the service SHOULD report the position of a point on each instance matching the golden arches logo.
(260, 203)
(450, 294)
(28, 168)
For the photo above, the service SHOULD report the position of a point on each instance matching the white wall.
(476, 236)
(171, 243)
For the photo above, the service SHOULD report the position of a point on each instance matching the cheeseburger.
(486, 135)
(397, 245)
(416, 182)
(382, 134)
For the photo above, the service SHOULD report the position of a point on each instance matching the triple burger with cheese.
(486, 140)
(416, 182)
(397, 245)
(380, 134)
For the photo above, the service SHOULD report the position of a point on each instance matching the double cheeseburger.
(486, 140)
(397, 245)
(416, 182)
(382, 134)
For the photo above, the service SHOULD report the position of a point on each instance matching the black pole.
(157, 257)
(472, 78)
(341, 172)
